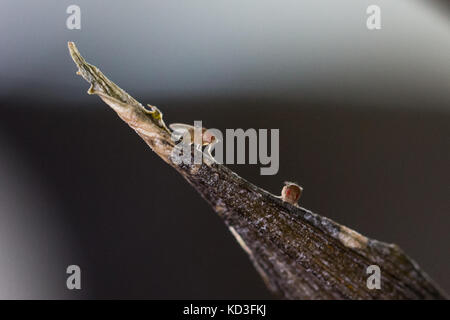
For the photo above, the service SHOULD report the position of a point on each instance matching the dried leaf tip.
(114, 96)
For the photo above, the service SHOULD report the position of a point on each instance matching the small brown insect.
(207, 138)
(291, 192)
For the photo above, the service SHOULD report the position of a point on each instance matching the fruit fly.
(187, 132)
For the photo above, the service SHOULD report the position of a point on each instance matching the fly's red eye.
(208, 138)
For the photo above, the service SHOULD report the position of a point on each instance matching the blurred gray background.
(364, 119)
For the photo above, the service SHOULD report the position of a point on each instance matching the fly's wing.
(181, 130)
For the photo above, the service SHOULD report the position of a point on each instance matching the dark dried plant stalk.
(299, 254)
